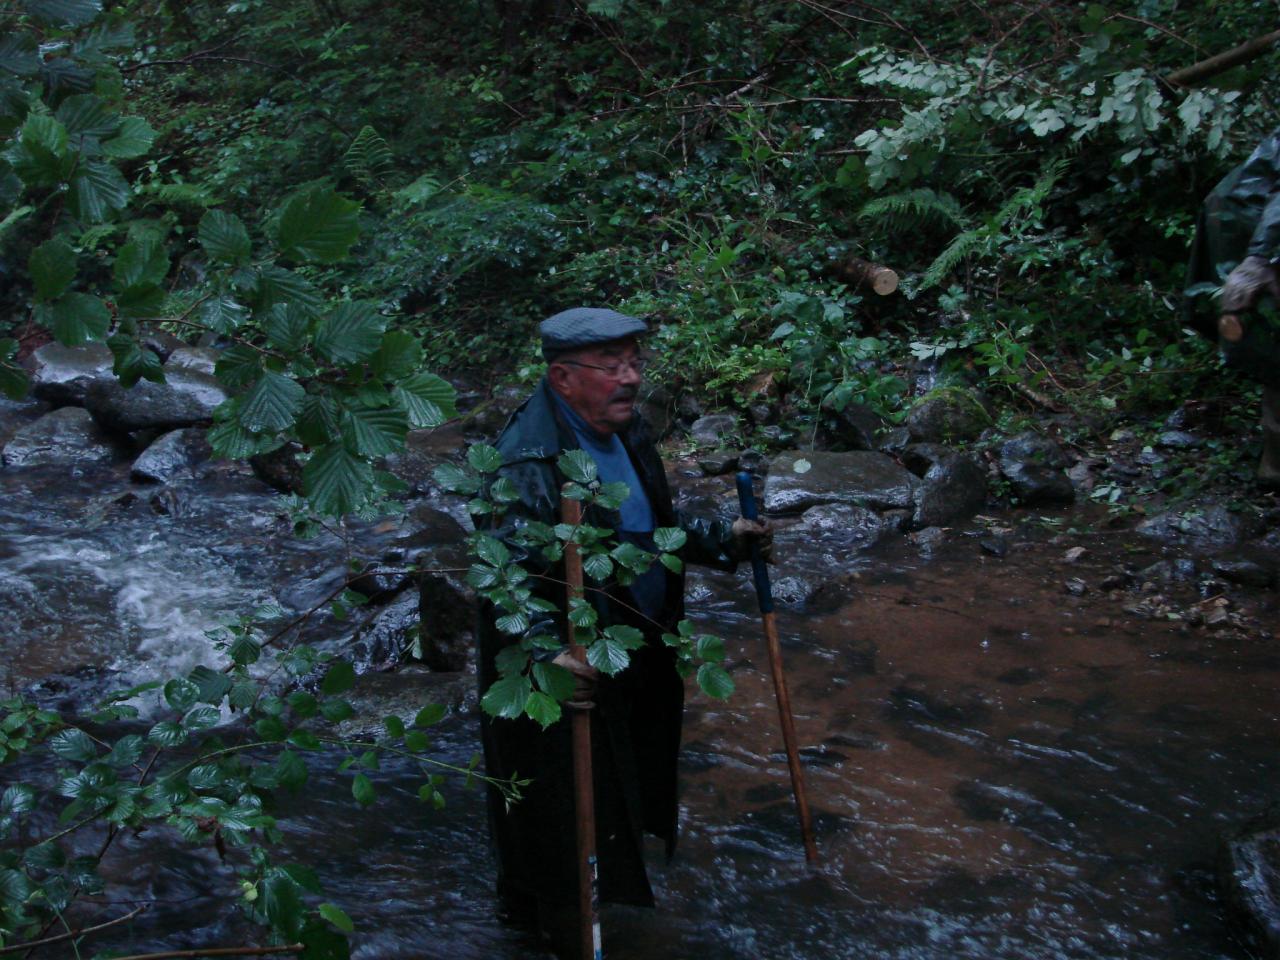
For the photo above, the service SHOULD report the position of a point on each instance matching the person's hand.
(749, 533)
(1252, 277)
(585, 678)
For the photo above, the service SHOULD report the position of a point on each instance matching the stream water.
(997, 768)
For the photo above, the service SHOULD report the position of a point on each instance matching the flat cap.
(586, 327)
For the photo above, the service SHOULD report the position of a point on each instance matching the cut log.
(856, 271)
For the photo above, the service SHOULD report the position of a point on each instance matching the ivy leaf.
(319, 225)
(272, 403)
(52, 266)
(97, 191)
(335, 480)
(224, 237)
(75, 319)
(542, 709)
(669, 539)
(375, 433)
(426, 398)
(506, 697)
(133, 139)
(142, 262)
(350, 333)
(714, 681)
(578, 466)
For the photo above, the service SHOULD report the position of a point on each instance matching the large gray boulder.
(1210, 527)
(187, 398)
(953, 485)
(173, 454)
(849, 525)
(854, 426)
(63, 375)
(64, 437)
(200, 359)
(1249, 875)
(799, 479)
(1035, 467)
(714, 429)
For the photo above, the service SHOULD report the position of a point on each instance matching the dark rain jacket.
(1240, 218)
(636, 724)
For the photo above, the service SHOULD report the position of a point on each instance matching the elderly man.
(587, 401)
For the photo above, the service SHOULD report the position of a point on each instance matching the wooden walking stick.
(589, 944)
(764, 595)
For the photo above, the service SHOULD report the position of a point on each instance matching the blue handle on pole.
(747, 501)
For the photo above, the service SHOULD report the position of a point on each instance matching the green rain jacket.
(635, 728)
(1240, 218)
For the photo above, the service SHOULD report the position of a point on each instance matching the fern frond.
(1029, 198)
(913, 207)
(369, 158)
(961, 245)
(179, 194)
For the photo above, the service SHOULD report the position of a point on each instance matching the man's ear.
(558, 374)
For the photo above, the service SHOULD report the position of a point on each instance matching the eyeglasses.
(613, 370)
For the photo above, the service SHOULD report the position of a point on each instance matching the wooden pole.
(589, 943)
(764, 594)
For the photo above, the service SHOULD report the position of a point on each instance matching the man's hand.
(748, 533)
(585, 677)
(1252, 277)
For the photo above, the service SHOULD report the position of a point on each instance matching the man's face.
(605, 399)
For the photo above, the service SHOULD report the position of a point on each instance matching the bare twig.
(31, 944)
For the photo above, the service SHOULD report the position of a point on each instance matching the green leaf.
(492, 550)
(336, 481)
(350, 333)
(554, 679)
(394, 726)
(87, 116)
(287, 326)
(456, 479)
(64, 12)
(53, 267)
(303, 704)
(340, 678)
(272, 403)
(629, 638)
(271, 729)
(231, 441)
(669, 539)
(73, 744)
(291, 770)
(513, 623)
(336, 711)
(238, 366)
(426, 398)
(167, 733)
(14, 381)
(399, 355)
(202, 717)
(484, 458)
(134, 139)
(211, 685)
(506, 697)
(671, 562)
(273, 284)
(141, 262)
(375, 433)
(224, 238)
(416, 741)
(75, 319)
(578, 466)
(304, 740)
(542, 709)
(430, 715)
(97, 191)
(335, 916)
(280, 900)
(318, 224)
(19, 54)
(608, 656)
(322, 942)
(597, 566)
(222, 314)
(40, 155)
(714, 681)
(181, 694)
(318, 422)
(362, 790)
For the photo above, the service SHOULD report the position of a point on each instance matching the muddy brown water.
(997, 768)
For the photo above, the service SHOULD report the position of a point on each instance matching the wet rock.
(62, 375)
(1178, 440)
(197, 359)
(187, 398)
(1081, 475)
(948, 414)
(1034, 467)
(489, 417)
(762, 414)
(403, 693)
(718, 464)
(1074, 554)
(64, 437)
(954, 486)
(654, 405)
(174, 453)
(1249, 878)
(860, 527)
(792, 591)
(1248, 573)
(995, 546)
(1212, 526)
(388, 637)
(855, 426)
(447, 613)
(688, 407)
(162, 343)
(895, 440)
(929, 539)
(714, 429)
(1076, 587)
(279, 469)
(1167, 571)
(424, 450)
(753, 461)
(801, 479)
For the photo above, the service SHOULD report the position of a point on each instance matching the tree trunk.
(1222, 62)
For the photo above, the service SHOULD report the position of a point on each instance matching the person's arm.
(1258, 187)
